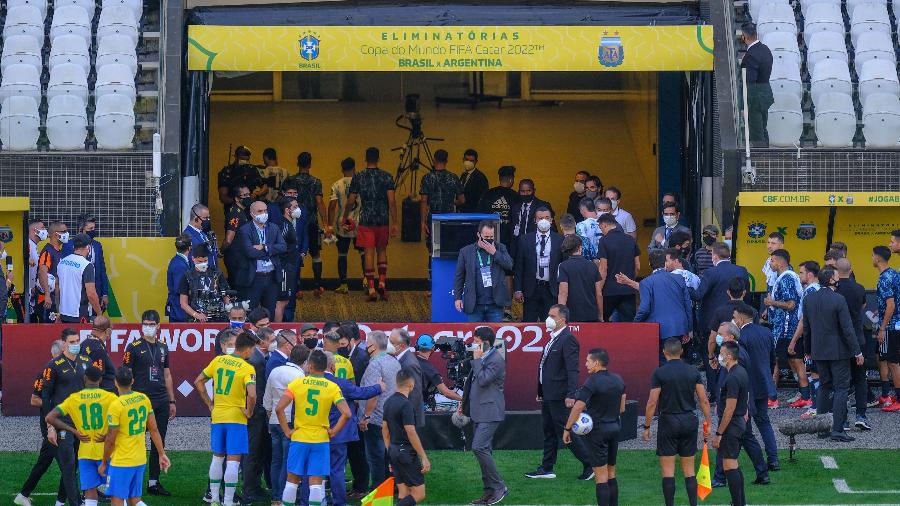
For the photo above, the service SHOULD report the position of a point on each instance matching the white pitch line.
(842, 487)
(828, 462)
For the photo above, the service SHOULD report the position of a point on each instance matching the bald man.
(261, 245)
(94, 347)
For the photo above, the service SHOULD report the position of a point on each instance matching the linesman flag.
(383, 495)
(704, 484)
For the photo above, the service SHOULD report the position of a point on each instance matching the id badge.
(544, 261)
(267, 264)
(154, 373)
(486, 280)
(516, 231)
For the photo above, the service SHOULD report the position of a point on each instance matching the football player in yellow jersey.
(310, 453)
(87, 410)
(336, 344)
(234, 387)
(125, 449)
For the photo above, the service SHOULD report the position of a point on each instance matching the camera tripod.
(412, 151)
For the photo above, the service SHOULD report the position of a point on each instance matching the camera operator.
(200, 288)
(432, 382)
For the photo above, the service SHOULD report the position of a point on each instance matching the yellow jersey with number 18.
(129, 414)
(343, 368)
(313, 397)
(231, 375)
(88, 409)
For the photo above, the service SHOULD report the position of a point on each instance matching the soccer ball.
(583, 425)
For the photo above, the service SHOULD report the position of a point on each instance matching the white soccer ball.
(583, 425)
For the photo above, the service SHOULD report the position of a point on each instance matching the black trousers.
(860, 386)
(834, 386)
(536, 306)
(67, 449)
(259, 456)
(554, 415)
(359, 466)
(263, 291)
(45, 458)
(625, 304)
(758, 117)
(161, 414)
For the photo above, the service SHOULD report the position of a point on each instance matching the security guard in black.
(677, 433)
(602, 396)
(94, 347)
(736, 386)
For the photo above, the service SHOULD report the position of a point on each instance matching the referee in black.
(63, 376)
(603, 397)
(149, 360)
(673, 387)
(732, 413)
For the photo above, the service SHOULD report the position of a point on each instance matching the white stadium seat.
(782, 44)
(873, 46)
(115, 79)
(117, 20)
(20, 124)
(88, 5)
(114, 122)
(878, 76)
(806, 4)
(869, 17)
(881, 120)
(823, 18)
(830, 76)
(835, 120)
(136, 6)
(785, 124)
(66, 123)
(71, 20)
(21, 49)
(826, 46)
(24, 20)
(756, 5)
(776, 17)
(68, 79)
(117, 49)
(40, 4)
(21, 80)
(851, 4)
(785, 77)
(70, 49)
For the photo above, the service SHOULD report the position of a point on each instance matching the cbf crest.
(611, 52)
(6, 234)
(309, 46)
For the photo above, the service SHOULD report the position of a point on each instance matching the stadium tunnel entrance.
(619, 90)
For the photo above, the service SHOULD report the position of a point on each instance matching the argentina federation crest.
(806, 231)
(309, 46)
(611, 52)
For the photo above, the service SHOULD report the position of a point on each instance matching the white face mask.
(579, 187)
(721, 360)
(670, 220)
(468, 165)
(3, 255)
(261, 218)
(273, 346)
(390, 348)
(63, 237)
(148, 330)
(543, 225)
(297, 213)
(550, 323)
(615, 204)
(42, 234)
(201, 266)
(229, 351)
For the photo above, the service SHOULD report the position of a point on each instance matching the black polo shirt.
(736, 386)
(619, 249)
(62, 378)
(149, 362)
(677, 382)
(398, 412)
(95, 350)
(582, 276)
(602, 396)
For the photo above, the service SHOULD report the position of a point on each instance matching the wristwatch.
(171, 402)
(719, 434)
(646, 427)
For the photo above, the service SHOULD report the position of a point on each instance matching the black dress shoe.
(483, 499)
(842, 438)
(497, 497)
(718, 484)
(774, 466)
(760, 480)
(159, 490)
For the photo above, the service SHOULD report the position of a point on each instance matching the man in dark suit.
(537, 261)
(178, 266)
(474, 182)
(831, 340)
(261, 245)
(479, 288)
(855, 295)
(259, 456)
(557, 382)
(406, 355)
(487, 408)
(522, 216)
(356, 450)
(714, 282)
(757, 62)
(665, 300)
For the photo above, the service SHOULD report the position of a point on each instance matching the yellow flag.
(383, 495)
(704, 484)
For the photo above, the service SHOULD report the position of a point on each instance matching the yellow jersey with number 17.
(88, 409)
(231, 375)
(343, 368)
(129, 414)
(313, 397)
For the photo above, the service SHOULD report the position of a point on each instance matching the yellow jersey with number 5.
(88, 409)
(129, 414)
(313, 397)
(343, 368)
(231, 375)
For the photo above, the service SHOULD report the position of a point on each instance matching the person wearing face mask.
(406, 355)
(536, 268)
(48, 261)
(618, 254)
(257, 466)
(701, 258)
(589, 230)
(236, 216)
(262, 246)
(200, 229)
(737, 290)
(78, 301)
(660, 237)
(623, 217)
(36, 233)
(382, 367)
(522, 220)
(473, 181)
(241, 171)
(200, 283)
(293, 230)
(757, 62)
(356, 450)
(309, 333)
(179, 265)
(94, 347)
(557, 385)
(87, 224)
(285, 341)
(501, 200)
(309, 197)
(479, 289)
(579, 193)
(278, 380)
(148, 357)
(732, 412)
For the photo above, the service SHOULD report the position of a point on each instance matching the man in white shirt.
(623, 217)
(78, 300)
(37, 232)
(278, 381)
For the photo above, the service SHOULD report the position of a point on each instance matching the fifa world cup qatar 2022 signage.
(632, 347)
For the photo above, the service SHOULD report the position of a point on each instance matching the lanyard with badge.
(153, 370)
(267, 263)
(485, 269)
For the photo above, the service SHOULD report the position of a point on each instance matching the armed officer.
(672, 388)
(240, 172)
(200, 289)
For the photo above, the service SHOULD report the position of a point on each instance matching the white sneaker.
(21, 500)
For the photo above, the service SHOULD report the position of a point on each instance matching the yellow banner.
(137, 275)
(847, 199)
(863, 229)
(450, 48)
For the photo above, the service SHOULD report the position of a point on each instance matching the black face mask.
(205, 225)
(344, 351)
(310, 342)
(246, 202)
(527, 198)
(708, 240)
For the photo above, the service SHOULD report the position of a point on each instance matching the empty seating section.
(72, 64)
(834, 74)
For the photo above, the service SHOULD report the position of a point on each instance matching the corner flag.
(704, 484)
(383, 495)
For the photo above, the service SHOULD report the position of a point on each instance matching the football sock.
(342, 267)
(370, 278)
(885, 388)
(289, 496)
(232, 468)
(316, 495)
(668, 485)
(602, 494)
(613, 492)
(215, 477)
(804, 393)
(90, 502)
(690, 484)
(317, 271)
(735, 486)
(382, 273)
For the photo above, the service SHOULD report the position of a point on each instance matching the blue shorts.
(125, 482)
(88, 475)
(309, 459)
(228, 438)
